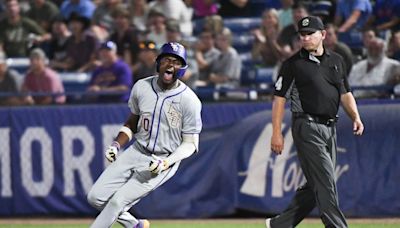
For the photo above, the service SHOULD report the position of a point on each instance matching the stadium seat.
(242, 43)
(246, 58)
(19, 64)
(75, 82)
(242, 25)
(353, 39)
(253, 76)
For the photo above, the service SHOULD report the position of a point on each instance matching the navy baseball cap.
(108, 45)
(310, 24)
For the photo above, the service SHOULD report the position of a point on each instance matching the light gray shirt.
(230, 65)
(210, 56)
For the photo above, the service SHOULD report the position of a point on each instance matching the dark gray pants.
(316, 150)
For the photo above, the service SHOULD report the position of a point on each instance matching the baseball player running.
(165, 121)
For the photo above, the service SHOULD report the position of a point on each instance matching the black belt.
(317, 119)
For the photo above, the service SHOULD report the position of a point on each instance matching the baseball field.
(201, 223)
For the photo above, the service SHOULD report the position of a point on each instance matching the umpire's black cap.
(310, 24)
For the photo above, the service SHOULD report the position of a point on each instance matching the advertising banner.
(51, 156)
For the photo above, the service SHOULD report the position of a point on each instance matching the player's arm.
(189, 145)
(127, 130)
(125, 135)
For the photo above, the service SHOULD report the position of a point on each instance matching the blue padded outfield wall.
(51, 156)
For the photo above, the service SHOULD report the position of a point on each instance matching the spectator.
(113, 75)
(58, 43)
(58, 2)
(9, 84)
(376, 70)
(206, 54)
(385, 15)
(352, 14)
(214, 24)
(81, 46)
(324, 9)
(394, 46)
(332, 43)
(139, 10)
(157, 28)
(102, 20)
(43, 12)
(288, 39)
(192, 72)
(125, 36)
(177, 10)
(225, 72)
(285, 13)
(18, 33)
(367, 35)
(204, 8)
(42, 79)
(265, 38)
(102, 15)
(84, 8)
(147, 56)
(234, 8)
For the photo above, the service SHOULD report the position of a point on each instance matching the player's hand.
(112, 151)
(157, 165)
(277, 143)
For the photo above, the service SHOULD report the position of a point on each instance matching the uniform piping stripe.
(152, 118)
(159, 117)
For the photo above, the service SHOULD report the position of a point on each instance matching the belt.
(317, 119)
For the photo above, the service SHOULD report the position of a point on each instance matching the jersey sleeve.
(192, 123)
(284, 80)
(344, 87)
(133, 102)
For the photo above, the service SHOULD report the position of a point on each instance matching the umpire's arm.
(350, 106)
(278, 112)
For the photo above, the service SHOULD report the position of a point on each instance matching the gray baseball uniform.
(164, 117)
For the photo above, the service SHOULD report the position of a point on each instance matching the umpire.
(315, 81)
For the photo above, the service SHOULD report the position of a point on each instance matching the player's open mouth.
(169, 74)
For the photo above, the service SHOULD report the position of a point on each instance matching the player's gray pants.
(316, 150)
(122, 184)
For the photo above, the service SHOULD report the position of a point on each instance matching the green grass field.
(240, 223)
(206, 226)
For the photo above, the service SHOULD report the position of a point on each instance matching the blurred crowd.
(116, 42)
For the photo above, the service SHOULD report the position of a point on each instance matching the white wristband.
(127, 132)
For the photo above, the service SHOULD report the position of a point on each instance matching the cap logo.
(305, 22)
(175, 47)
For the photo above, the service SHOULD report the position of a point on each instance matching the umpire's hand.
(277, 143)
(358, 127)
